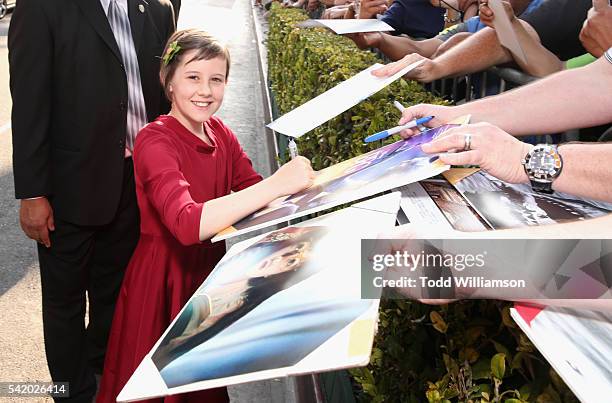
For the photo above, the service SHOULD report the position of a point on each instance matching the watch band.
(541, 187)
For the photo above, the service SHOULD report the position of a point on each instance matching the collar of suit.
(95, 12)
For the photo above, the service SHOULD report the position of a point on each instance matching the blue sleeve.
(415, 18)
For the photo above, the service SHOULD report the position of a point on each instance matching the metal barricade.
(466, 88)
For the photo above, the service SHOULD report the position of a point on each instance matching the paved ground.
(21, 349)
(21, 341)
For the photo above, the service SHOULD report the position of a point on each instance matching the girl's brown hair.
(207, 47)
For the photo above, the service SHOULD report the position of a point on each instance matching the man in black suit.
(69, 81)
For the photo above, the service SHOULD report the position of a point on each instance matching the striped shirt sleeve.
(608, 55)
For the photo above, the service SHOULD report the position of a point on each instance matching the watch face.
(543, 163)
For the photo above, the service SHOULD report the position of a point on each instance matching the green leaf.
(482, 369)
(498, 365)
(484, 388)
(500, 348)
(525, 391)
(433, 396)
(517, 360)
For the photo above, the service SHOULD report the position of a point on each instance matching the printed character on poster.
(207, 326)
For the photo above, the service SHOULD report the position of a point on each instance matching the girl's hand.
(294, 176)
(494, 150)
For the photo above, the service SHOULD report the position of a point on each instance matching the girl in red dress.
(192, 180)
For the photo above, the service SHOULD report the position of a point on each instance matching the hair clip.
(172, 51)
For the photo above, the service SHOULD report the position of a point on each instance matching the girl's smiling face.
(197, 88)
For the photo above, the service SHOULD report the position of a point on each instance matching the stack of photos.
(287, 303)
(380, 170)
(505, 205)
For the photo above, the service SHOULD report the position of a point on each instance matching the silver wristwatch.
(543, 164)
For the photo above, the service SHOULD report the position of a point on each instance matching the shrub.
(304, 63)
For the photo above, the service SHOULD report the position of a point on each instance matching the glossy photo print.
(286, 303)
(278, 334)
(506, 205)
(388, 167)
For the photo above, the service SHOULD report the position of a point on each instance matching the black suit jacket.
(69, 93)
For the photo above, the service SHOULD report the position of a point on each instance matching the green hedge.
(467, 351)
(304, 63)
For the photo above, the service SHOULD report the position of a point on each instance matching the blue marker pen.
(390, 132)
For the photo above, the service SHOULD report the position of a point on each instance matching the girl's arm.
(222, 212)
(157, 165)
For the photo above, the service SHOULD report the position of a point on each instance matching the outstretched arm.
(222, 212)
(585, 170)
(566, 100)
(395, 47)
(476, 53)
(539, 61)
(158, 167)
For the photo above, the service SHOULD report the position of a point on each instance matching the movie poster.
(286, 303)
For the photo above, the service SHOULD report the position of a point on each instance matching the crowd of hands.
(596, 35)
(500, 121)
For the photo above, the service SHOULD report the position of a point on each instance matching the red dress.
(176, 173)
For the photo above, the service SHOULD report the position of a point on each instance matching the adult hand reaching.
(596, 33)
(36, 219)
(442, 114)
(487, 16)
(369, 8)
(483, 144)
(366, 40)
(425, 72)
(408, 238)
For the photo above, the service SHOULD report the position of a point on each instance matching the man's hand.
(36, 219)
(425, 72)
(443, 115)
(596, 34)
(369, 8)
(488, 17)
(366, 40)
(335, 13)
(494, 150)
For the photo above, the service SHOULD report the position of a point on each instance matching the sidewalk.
(243, 110)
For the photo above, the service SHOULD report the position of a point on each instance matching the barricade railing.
(493, 81)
